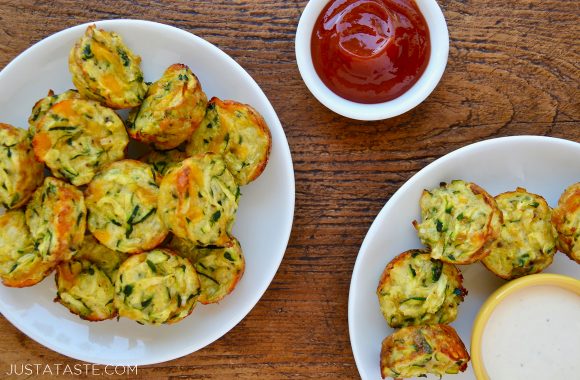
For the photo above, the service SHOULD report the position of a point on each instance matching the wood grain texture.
(513, 69)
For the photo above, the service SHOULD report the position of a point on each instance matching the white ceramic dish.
(542, 165)
(410, 99)
(263, 223)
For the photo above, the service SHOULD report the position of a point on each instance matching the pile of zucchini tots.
(144, 239)
(513, 235)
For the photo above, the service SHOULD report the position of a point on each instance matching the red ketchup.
(370, 51)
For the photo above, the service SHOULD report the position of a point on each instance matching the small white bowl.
(439, 37)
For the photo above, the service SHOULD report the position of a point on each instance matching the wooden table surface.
(513, 69)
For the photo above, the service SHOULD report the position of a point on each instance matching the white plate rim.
(377, 222)
(287, 159)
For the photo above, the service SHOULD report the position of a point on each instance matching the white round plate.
(542, 165)
(263, 223)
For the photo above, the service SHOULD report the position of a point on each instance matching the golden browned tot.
(173, 108)
(198, 200)
(20, 263)
(56, 216)
(416, 289)
(123, 213)
(156, 287)
(105, 70)
(416, 351)
(566, 219)
(527, 240)
(77, 138)
(85, 284)
(20, 171)
(219, 268)
(42, 106)
(239, 133)
(459, 221)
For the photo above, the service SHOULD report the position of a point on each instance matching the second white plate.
(542, 165)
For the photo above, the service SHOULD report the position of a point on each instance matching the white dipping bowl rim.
(439, 37)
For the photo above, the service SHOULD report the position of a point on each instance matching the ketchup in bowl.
(370, 51)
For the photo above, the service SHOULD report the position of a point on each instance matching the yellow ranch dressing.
(534, 334)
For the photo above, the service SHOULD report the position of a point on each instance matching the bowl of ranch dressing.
(529, 329)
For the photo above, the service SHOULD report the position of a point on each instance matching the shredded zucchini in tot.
(459, 221)
(198, 200)
(219, 268)
(416, 289)
(20, 263)
(415, 351)
(105, 70)
(566, 219)
(122, 203)
(77, 138)
(156, 287)
(85, 284)
(527, 240)
(20, 172)
(239, 133)
(43, 105)
(56, 216)
(172, 110)
(163, 160)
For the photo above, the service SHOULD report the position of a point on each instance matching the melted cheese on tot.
(416, 289)
(20, 172)
(122, 202)
(20, 263)
(198, 200)
(156, 287)
(566, 219)
(43, 105)
(219, 268)
(239, 133)
(56, 216)
(76, 138)
(105, 70)
(460, 220)
(418, 350)
(527, 240)
(173, 109)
